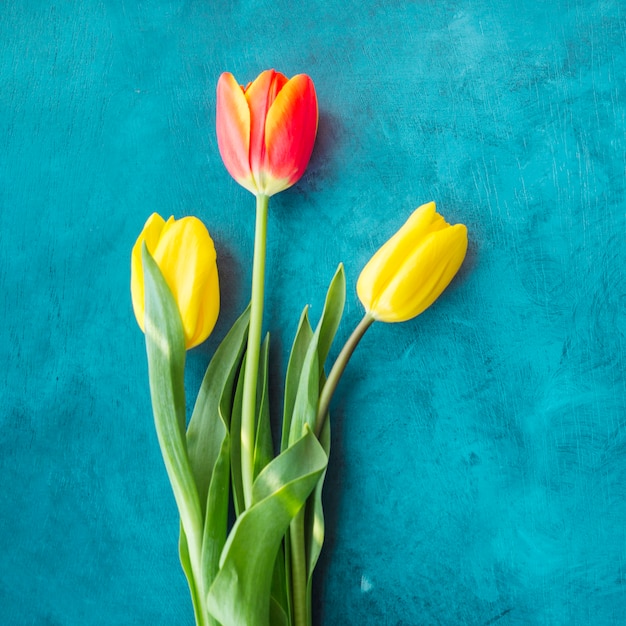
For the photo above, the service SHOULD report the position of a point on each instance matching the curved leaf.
(196, 599)
(209, 444)
(279, 599)
(306, 536)
(297, 355)
(240, 595)
(314, 516)
(278, 617)
(307, 396)
(165, 346)
(263, 446)
(331, 315)
(235, 444)
(210, 419)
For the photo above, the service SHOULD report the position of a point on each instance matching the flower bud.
(266, 131)
(413, 268)
(185, 254)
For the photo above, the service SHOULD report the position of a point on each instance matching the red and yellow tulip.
(413, 268)
(185, 254)
(266, 130)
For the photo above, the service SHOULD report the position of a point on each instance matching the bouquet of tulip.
(251, 519)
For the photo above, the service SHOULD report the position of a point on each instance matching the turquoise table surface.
(478, 468)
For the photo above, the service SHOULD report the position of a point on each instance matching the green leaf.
(183, 551)
(235, 444)
(299, 349)
(216, 522)
(288, 573)
(312, 370)
(240, 595)
(263, 447)
(211, 416)
(165, 346)
(208, 442)
(278, 617)
(306, 534)
(331, 316)
(305, 406)
(314, 515)
(279, 599)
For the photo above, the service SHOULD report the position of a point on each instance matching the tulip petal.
(266, 144)
(412, 269)
(186, 256)
(210, 310)
(233, 130)
(260, 95)
(383, 266)
(424, 275)
(150, 234)
(290, 131)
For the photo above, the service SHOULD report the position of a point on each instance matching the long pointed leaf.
(278, 616)
(297, 355)
(314, 517)
(279, 595)
(307, 396)
(207, 427)
(209, 445)
(196, 599)
(240, 595)
(306, 534)
(216, 523)
(165, 346)
(263, 447)
(331, 315)
(235, 444)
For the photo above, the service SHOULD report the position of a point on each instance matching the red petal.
(260, 94)
(233, 127)
(290, 129)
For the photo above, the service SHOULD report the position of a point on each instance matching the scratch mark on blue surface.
(497, 618)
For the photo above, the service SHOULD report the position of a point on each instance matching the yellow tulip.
(185, 254)
(413, 268)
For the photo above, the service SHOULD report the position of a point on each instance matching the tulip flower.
(266, 131)
(265, 134)
(185, 254)
(413, 268)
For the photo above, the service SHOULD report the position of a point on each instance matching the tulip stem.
(248, 410)
(337, 370)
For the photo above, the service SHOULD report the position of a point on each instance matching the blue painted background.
(478, 474)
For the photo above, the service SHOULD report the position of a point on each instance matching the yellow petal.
(424, 275)
(383, 266)
(413, 268)
(209, 309)
(186, 256)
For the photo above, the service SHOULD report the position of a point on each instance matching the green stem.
(200, 610)
(337, 370)
(299, 577)
(299, 573)
(248, 410)
(299, 570)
